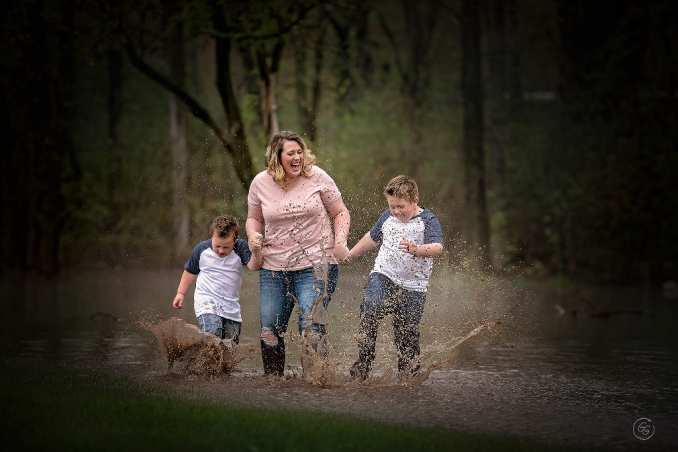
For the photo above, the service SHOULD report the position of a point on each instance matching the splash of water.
(191, 351)
(317, 369)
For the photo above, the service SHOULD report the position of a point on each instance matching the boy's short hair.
(225, 225)
(402, 187)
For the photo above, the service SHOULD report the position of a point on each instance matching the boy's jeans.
(279, 292)
(220, 327)
(384, 297)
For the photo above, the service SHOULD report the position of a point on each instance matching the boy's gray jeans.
(220, 327)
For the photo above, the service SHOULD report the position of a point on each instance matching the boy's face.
(401, 208)
(223, 245)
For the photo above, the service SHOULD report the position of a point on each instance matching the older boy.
(410, 237)
(216, 266)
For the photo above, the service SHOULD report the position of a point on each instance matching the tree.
(178, 140)
(477, 223)
(38, 73)
(497, 137)
(231, 23)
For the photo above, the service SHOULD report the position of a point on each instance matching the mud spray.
(461, 304)
(191, 351)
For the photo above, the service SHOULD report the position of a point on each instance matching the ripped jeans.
(280, 290)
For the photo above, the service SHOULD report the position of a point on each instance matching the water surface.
(571, 365)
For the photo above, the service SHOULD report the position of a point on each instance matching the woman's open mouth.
(295, 166)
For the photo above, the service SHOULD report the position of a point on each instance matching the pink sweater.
(297, 233)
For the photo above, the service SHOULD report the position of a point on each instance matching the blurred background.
(542, 133)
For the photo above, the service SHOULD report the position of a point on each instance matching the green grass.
(49, 408)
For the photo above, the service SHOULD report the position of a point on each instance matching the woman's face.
(292, 159)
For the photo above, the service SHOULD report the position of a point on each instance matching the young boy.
(410, 237)
(217, 266)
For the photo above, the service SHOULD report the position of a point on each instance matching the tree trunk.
(178, 145)
(300, 59)
(242, 160)
(269, 107)
(114, 95)
(307, 109)
(514, 84)
(312, 116)
(476, 224)
(497, 135)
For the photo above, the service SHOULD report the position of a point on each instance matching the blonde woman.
(293, 202)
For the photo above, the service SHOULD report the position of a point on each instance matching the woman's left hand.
(341, 252)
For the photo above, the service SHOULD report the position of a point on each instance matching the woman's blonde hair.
(274, 150)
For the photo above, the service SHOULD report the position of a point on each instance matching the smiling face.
(401, 208)
(292, 159)
(223, 246)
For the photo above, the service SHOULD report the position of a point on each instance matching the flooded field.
(570, 365)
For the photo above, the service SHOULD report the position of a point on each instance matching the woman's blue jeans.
(280, 290)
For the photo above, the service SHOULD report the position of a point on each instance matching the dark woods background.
(542, 133)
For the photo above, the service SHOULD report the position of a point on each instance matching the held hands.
(255, 242)
(342, 254)
(408, 246)
(178, 301)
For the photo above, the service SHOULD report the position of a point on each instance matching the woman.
(292, 201)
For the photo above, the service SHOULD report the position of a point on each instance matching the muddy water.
(564, 364)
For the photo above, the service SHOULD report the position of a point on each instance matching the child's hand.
(178, 301)
(408, 246)
(256, 242)
(347, 260)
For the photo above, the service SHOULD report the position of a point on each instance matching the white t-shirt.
(217, 289)
(404, 269)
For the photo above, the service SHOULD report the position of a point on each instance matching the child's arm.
(255, 243)
(364, 245)
(187, 280)
(428, 250)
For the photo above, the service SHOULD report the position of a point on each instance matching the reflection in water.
(571, 379)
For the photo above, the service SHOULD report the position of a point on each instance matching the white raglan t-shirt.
(404, 269)
(217, 289)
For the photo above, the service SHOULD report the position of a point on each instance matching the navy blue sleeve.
(242, 249)
(193, 264)
(432, 230)
(375, 232)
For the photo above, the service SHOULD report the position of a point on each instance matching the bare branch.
(454, 13)
(237, 36)
(198, 110)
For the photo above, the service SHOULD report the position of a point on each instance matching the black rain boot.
(273, 358)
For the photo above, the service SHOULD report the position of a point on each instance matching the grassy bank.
(51, 408)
